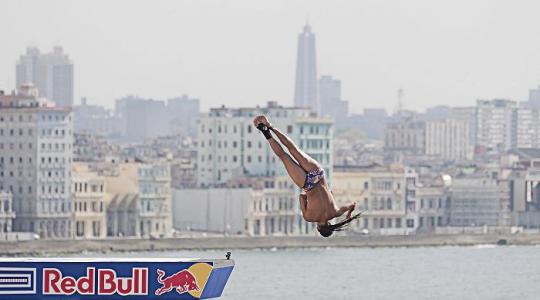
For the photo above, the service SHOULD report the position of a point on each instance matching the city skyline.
(448, 53)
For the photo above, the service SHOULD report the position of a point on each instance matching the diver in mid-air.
(316, 200)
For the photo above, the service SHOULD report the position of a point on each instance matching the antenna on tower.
(400, 95)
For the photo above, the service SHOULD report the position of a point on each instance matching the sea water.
(480, 272)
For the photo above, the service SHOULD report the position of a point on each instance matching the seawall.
(58, 247)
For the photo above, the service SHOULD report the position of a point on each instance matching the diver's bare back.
(320, 200)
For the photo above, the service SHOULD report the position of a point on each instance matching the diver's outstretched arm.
(347, 208)
(303, 207)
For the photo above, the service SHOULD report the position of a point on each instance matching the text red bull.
(108, 283)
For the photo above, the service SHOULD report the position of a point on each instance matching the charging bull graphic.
(183, 281)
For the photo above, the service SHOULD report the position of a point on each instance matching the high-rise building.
(305, 91)
(527, 128)
(534, 98)
(448, 139)
(230, 146)
(496, 121)
(35, 162)
(183, 113)
(51, 73)
(148, 118)
(467, 114)
(330, 99)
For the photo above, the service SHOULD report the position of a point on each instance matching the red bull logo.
(108, 282)
(182, 281)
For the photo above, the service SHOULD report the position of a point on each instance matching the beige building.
(427, 208)
(379, 192)
(138, 197)
(89, 207)
(276, 211)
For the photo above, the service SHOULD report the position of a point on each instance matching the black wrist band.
(265, 130)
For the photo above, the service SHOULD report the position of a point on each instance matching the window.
(289, 128)
(410, 223)
(249, 128)
(398, 222)
(366, 185)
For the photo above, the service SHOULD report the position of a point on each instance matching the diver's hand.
(351, 209)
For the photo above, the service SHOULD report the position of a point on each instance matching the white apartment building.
(230, 146)
(496, 123)
(6, 213)
(448, 139)
(35, 162)
(51, 73)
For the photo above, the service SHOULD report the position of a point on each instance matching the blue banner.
(112, 279)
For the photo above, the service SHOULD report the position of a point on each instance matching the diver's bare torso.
(320, 203)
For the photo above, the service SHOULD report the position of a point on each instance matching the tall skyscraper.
(51, 73)
(305, 91)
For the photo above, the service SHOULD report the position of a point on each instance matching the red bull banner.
(72, 278)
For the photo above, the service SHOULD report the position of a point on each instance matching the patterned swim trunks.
(312, 178)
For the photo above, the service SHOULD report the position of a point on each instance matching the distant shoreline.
(59, 247)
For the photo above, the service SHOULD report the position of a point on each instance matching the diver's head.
(325, 229)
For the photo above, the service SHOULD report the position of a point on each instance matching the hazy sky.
(243, 52)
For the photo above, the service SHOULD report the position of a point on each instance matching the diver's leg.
(305, 161)
(297, 174)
